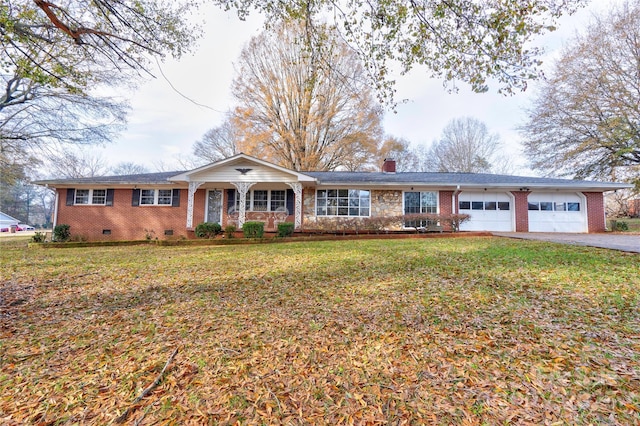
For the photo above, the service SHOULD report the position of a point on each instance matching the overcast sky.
(163, 124)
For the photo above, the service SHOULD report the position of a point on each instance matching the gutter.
(454, 199)
(55, 207)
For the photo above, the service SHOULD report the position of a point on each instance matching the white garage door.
(489, 211)
(557, 212)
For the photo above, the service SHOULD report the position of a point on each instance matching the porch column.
(243, 188)
(193, 187)
(297, 189)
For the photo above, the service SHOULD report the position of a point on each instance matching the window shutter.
(110, 197)
(175, 198)
(231, 199)
(135, 198)
(71, 194)
(290, 201)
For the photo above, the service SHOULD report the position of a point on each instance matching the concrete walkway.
(622, 242)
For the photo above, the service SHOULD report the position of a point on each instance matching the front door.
(214, 206)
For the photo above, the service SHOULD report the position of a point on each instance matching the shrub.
(38, 237)
(620, 225)
(285, 229)
(229, 231)
(61, 233)
(253, 229)
(208, 230)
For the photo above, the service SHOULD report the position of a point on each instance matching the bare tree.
(125, 168)
(585, 120)
(54, 53)
(78, 164)
(303, 103)
(467, 146)
(399, 150)
(219, 142)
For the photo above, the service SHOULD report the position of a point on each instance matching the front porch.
(241, 189)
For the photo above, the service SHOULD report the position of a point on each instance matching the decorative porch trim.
(193, 187)
(243, 188)
(297, 190)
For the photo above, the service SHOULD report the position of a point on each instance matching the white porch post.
(297, 189)
(243, 188)
(193, 187)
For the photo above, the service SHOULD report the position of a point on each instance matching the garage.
(557, 212)
(489, 211)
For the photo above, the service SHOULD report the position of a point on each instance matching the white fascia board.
(187, 175)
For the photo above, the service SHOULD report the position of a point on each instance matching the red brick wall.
(521, 208)
(446, 205)
(595, 211)
(127, 222)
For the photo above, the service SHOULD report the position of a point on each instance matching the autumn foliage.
(420, 331)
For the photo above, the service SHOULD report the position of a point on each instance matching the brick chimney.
(389, 165)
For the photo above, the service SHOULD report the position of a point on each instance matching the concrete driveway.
(622, 242)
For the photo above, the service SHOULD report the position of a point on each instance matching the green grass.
(442, 331)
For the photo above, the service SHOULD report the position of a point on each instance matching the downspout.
(455, 209)
(55, 206)
(454, 199)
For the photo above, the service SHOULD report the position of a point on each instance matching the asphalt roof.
(427, 178)
(365, 178)
(144, 178)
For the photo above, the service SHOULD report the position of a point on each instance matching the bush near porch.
(451, 331)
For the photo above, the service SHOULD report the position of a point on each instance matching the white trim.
(89, 197)
(55, 207)
(338, 207)
(156, 195)
(585, 212)
(420, 191)
(187, 175)
(206, 204)
(193, 187)
(297, 195)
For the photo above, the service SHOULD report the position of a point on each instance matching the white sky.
(163, 124)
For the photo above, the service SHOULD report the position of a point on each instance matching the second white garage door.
(489, 211)
(557, 212)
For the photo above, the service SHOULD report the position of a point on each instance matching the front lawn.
(435, 331)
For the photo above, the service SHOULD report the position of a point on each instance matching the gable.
(242, 168)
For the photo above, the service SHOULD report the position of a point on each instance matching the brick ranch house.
(242, 188)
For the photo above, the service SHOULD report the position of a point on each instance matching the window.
(484, 205)
(342, 202)
(82, 196)
(91, 196)
(420, 202)
(546, 205)
(147, 196)
(550, 206)
(490, 205)
(99, 196)
(260, 201)
(278, 201)
(164, 197)
(263, 200)
(156, 197)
